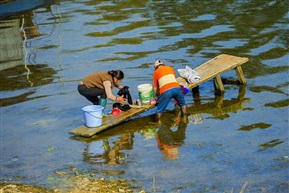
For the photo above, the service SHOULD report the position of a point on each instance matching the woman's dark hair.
(117, 74)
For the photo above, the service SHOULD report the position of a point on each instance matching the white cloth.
(196, 119)
(189, 74)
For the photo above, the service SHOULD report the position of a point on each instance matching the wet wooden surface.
(215, 67)
(110, 121)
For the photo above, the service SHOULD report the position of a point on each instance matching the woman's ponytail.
(117, 74)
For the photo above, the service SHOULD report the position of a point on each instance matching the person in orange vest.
(166, 88)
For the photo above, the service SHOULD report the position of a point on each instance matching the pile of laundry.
(189, 74)
(117, 107)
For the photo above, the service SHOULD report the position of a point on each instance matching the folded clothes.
(189, 74)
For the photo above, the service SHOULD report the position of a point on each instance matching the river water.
(238, 139)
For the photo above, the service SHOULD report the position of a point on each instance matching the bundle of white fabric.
(189, 74)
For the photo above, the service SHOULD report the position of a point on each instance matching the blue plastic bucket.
(92, 115)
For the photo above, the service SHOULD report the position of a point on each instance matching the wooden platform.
(217, 107)
(211, 69)
(214, 68)
(110, 121)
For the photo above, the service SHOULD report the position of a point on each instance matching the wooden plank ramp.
(214, 68)
(210, 69)
(109, 121)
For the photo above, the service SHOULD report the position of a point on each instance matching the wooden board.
(211, 69)
(215, 67)
(110, 121)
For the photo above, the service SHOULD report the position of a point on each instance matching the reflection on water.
(10, 83)
(108, 147)
(228, 140)
(270, 144)
(255, 126)
(220, 108)
(11, 41)
(103, 152)
(170, 136)
(19, 68)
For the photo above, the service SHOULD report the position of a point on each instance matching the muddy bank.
(74, 184)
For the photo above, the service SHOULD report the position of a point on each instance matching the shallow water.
(237, 139)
